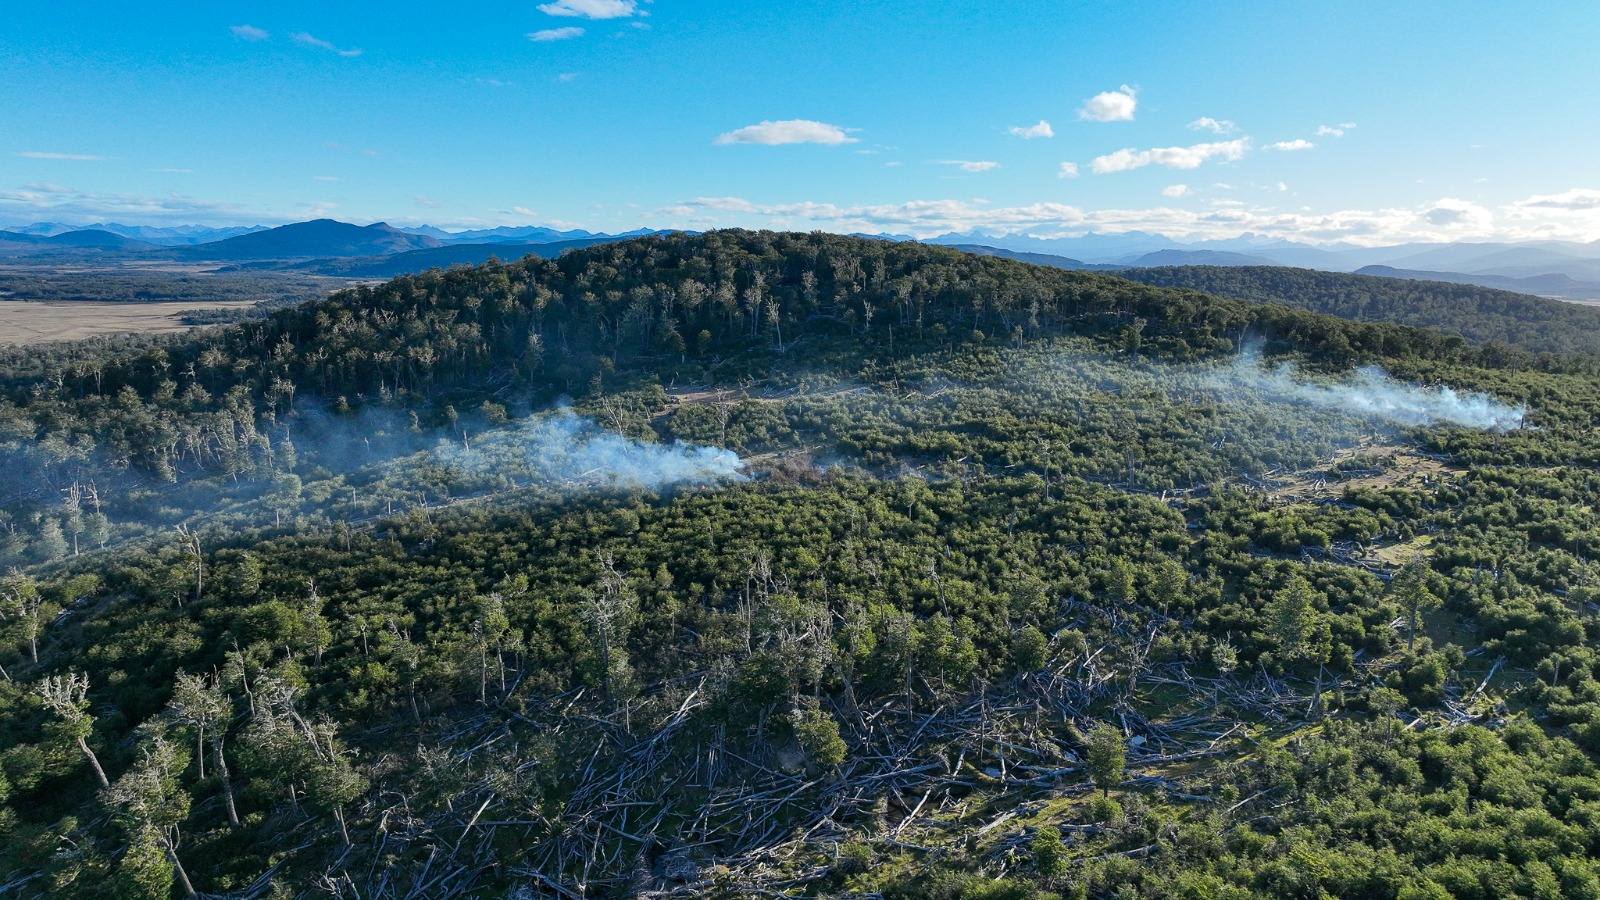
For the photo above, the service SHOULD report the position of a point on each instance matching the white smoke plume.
(1372, 393)
(565, 448)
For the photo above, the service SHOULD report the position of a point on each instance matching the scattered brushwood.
(665, 799)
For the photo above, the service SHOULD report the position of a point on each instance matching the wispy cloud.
(173, 170)
(1444, 219)
(1575, 200)
(567, 77)
(1215, 126)
(1111, 106)
(324, 178)
(787, 131)
(1067, 170)
(1190, 157)
(1336, 131)
(1291, 146)
(545, 35)
(70, 204)
(1032, 132)
(970, 165)
(1175, 191)
(591, 9)
(249, 33)
(49, 154)
(427, 202)
(311, 40)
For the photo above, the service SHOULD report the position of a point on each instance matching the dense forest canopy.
(1536, 325)
(839, 567)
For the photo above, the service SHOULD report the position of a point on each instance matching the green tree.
(201, 704)
(24, 611)
(1029, 649)
(241, 573)
(818, 735)
(1106, 754)
(1409, 587)
(152, 802)
(1300, 629)
(1049, 853)
(1296, 624)
(51, 544)
(145, 871)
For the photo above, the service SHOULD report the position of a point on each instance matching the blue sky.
(1423, 120)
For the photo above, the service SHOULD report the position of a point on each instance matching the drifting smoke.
(564, 448)
(1372, 393)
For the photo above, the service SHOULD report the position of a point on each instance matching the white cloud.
(1445, 219)
(590, 9)
(1463, 215)
(1029, 132)
(1068, 170)
(249, 33)
(1176, 190)
(1190, 157)
(67, 204)
(1291, 146)
(1111, 106)
(47, 154)
(311, 40)
(1215, 126)
(971, 165)
(567, 77)
(787, 131)
(173, 170)
(427, 202)
(1575, 200)
(555, 34)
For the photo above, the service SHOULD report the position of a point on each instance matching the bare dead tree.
(68, 697)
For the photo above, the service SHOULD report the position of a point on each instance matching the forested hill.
(654, 304)
(1479, 314)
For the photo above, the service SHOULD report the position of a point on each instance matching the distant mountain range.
(1125, 248)
(317, 238)
(321, 245)
(1144, 260)
(1565, 269)
(90, 239)
(411, 261)
(162, 235)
